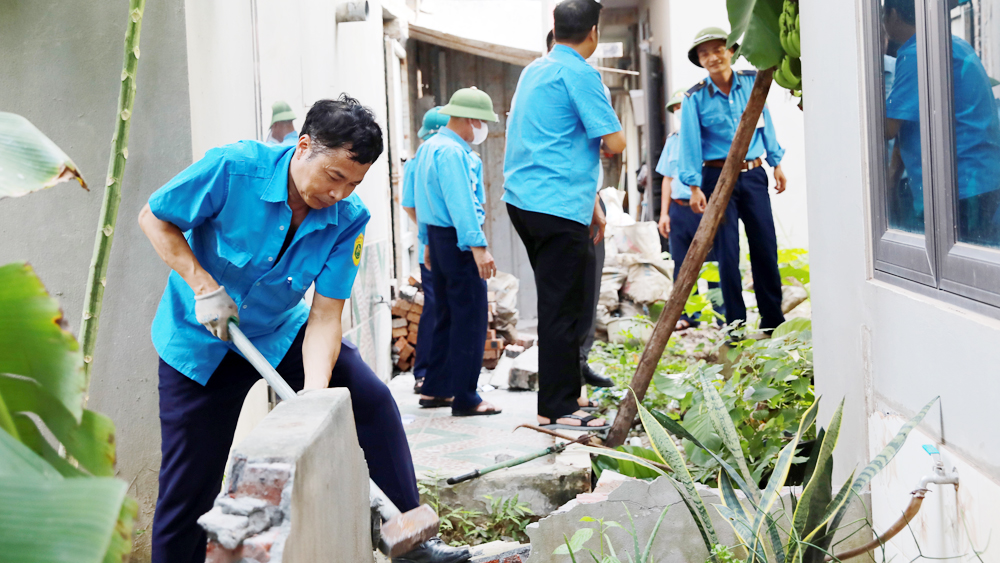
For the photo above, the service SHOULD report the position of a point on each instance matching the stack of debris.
(406, 312)
(501, 314)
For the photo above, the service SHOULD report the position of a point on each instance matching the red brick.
(414, 327)
(399, 345)
(264, 481)
(399, 332)
(413, 317)
(412, 338)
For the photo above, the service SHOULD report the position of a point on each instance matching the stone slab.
(524, 371)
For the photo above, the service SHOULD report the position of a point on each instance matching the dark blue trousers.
(197, 425)
(459, 334)
(428, 320)
(683, 225)
(751, 204)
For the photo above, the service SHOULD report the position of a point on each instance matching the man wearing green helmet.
(282, 128)
(712, 110)
(449, 194)
(433, 121)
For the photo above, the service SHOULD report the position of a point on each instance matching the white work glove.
(213, 311)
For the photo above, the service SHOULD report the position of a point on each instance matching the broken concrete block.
(399, 323)
(792, 296)
(299, 461)
(408, 292)
(524, 372)
(513, 350)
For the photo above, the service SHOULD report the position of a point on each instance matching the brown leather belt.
(683, 202)
(747, 164)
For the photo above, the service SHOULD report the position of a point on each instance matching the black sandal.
(475, 412)
(435, 403)
(584, 420)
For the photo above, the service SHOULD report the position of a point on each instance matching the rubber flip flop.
(583, 424)
(474, 412)
(435, 403)
(592, 407)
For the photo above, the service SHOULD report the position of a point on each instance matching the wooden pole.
(700, 246)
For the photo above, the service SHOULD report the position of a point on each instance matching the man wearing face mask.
(449, 193)
(246, 230)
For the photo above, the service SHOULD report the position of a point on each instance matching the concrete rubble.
(524, 371)
(302, 459)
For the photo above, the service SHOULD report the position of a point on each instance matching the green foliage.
(608, 554)
(505, 519)
(51, 509)
(723, 554)
(30, 161)
(755, 27)
(818, 512)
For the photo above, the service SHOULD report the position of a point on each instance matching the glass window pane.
(903, 166)
(975, 61)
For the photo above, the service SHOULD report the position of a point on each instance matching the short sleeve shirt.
(559, 113)
(977, 128)
(232, 207)
(667, 166)
(409, 201)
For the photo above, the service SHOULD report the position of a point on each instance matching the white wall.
(688, 18)
(884, 349)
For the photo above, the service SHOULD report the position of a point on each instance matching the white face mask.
(479, 133)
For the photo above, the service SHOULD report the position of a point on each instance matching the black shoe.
(418, 384)
(435, 551)
(590, 377)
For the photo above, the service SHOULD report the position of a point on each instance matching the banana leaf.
(6, 420)
(120, 549)
(33, 439)
(17, 460)
(30, 161)
(91, 442)
(34, 342)
(755, 27)
(58, 520)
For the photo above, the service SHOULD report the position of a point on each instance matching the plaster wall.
(686, 19)
(886, 350)
(61, 69)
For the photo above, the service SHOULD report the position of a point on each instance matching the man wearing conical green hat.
(449, 193)
(559, 119)
(712, 110)
(282, 128)
(432, 123)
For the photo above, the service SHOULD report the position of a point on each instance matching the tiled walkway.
(449, 445)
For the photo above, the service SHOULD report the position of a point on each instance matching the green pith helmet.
(704, 36)
(472, 103)
(433, 121)
(675, 100)
(281, 111)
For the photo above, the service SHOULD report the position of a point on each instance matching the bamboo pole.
(702, 243)
(112, 194)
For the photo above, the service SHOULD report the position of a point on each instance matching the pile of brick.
(406, 310)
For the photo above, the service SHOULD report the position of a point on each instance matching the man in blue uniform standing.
(449, 195)
(977, 129)
(712, 110)
(433, 121)
(678, 222)
(247, 230)
(559, 116)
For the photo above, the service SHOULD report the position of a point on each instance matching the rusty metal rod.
(702, 243)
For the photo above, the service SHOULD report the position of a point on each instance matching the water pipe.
(938, 476)
(352, 12)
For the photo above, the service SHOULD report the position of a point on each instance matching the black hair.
(904, 8)
(550, 40)
(344, 123)
(574, 19)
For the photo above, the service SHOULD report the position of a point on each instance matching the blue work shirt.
(232, 207)
(451, 191)
(408, 201)
(558, 115)
(708, 124)
(290, 139)
(977, 128)
(667, 166)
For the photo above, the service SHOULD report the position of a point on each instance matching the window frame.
(934, 263)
